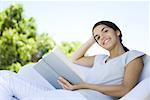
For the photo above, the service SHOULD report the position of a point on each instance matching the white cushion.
(146, 70)
(140, 92)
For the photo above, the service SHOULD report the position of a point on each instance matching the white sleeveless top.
(108, 73)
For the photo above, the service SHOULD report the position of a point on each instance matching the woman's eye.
(106, 31)
(98, 37)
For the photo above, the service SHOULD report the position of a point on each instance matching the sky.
(73, 20)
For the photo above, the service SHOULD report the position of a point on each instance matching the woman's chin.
(107, 48)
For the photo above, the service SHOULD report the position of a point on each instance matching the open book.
(56, 64)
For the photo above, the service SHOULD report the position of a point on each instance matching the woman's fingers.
(61, 84)
(67, 88)
(65, 84)
(62, 80)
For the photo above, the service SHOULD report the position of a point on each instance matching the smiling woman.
(116, 71)
(108, 79)
(106, 27)
(111, 76)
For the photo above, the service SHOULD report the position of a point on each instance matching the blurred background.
(30, 29)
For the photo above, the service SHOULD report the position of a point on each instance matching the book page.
(61, 55)
(49, 74)
(63, 66)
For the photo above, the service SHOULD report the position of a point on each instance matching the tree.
(13, 18)
(19, 41)
(70, 47)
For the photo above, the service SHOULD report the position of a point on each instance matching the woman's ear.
(118, 33)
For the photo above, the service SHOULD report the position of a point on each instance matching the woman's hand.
(92, 40)
(79, 56)
(67, 85)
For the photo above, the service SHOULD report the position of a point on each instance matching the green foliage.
(14, 67)
(19, 43)
(69, 47)
(8, 52)
(44, 44)
(13, 18)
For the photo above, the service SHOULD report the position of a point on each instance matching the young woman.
(111, 76)
(114, 74)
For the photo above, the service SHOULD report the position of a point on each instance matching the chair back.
(146, 69)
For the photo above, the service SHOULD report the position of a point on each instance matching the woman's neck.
(116, 51)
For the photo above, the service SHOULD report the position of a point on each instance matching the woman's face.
(106, 36)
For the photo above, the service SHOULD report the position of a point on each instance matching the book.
(56, 64)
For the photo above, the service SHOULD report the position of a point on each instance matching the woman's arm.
(79, 58)
(131, 76)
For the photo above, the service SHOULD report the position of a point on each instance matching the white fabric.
(11, 85)
(112, 72)
(5, 93)
(27, 71)
(146, 70)
(56, 95)
(140, 92)
(28, 74)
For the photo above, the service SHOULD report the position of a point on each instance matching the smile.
(106, 41)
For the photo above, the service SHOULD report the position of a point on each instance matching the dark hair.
(114, 27)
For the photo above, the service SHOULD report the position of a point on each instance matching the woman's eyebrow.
(101, 31)
(103, 28)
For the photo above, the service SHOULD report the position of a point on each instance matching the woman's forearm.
(111, 90)
(82, 50)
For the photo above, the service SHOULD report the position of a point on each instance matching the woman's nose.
(102, 37)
